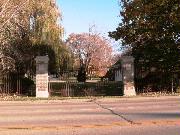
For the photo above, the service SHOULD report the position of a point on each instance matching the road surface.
(105, 116)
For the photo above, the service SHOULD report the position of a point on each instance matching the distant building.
(115, 72)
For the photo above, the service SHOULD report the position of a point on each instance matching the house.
(115, 72)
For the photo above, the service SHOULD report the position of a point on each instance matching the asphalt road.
(106, 116)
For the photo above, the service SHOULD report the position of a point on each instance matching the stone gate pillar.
(42, 76)
(128, 75)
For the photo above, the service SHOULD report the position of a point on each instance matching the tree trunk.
(81, 74)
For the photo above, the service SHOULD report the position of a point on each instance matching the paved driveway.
(106, 116)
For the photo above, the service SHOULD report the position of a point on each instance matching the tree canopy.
(91, 51)
(25, 26)
(151, 28)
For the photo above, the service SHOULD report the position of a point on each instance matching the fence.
(161, 83)
(11, 83)
(74, 89)
(15, 83)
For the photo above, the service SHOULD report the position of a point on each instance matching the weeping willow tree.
(30, 28)
(46, 31)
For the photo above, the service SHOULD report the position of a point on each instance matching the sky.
(80, 15)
